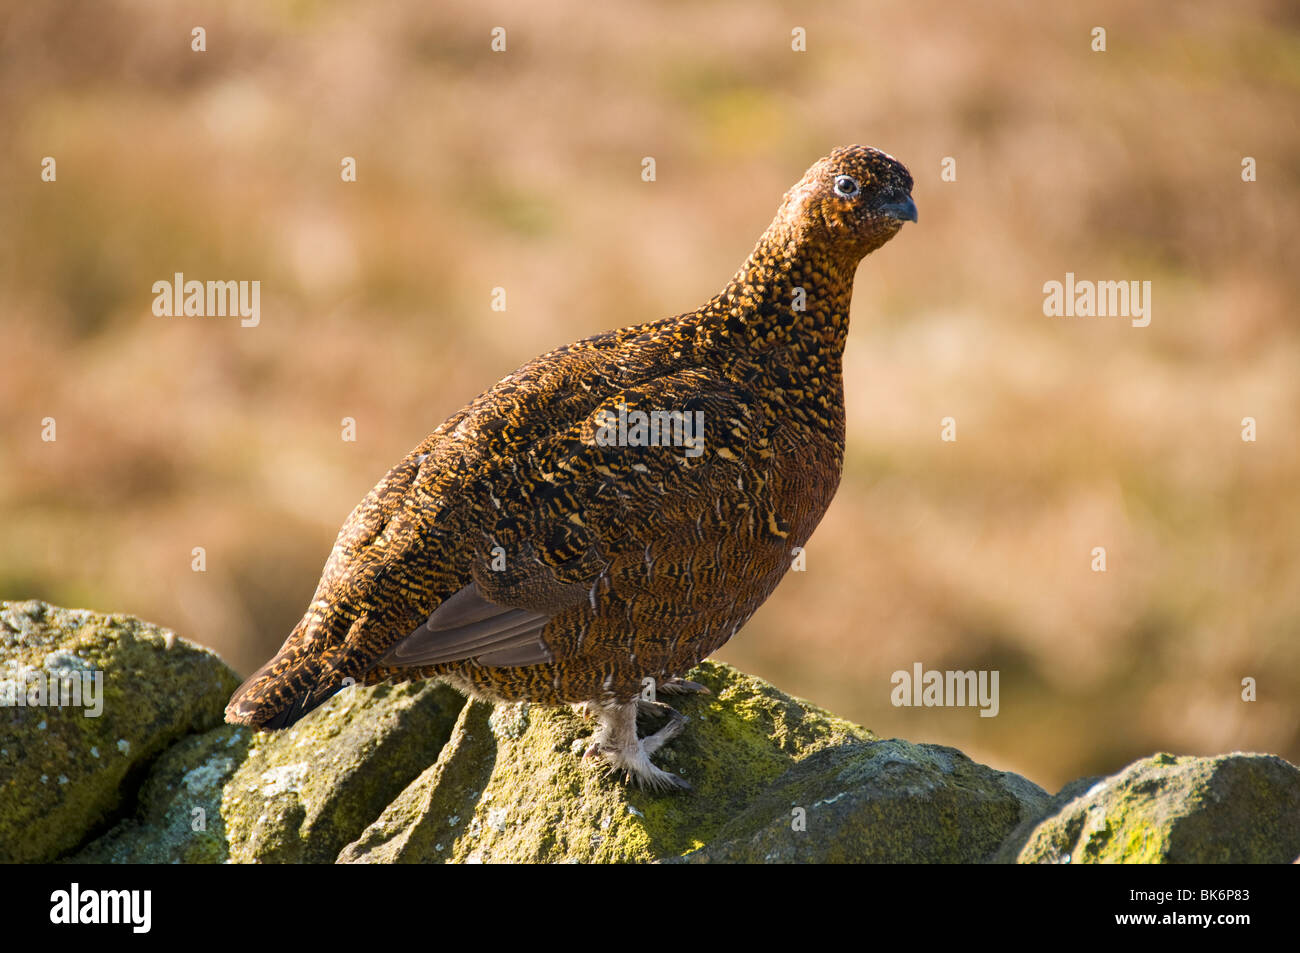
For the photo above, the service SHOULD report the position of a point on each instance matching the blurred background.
(522, 170)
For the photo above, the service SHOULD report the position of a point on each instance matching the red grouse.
(615, 510)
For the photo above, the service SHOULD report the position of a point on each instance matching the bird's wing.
(554, 519)
(465, 626)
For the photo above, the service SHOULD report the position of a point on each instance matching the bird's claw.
(683, 686)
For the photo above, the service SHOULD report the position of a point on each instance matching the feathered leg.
(616, 743)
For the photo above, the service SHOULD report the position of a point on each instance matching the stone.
(509, 787)
(1230, 809)
(64, 775)
(296, 796)
(413, 773)
(882, 802)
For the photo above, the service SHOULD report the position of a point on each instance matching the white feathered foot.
(616, 742)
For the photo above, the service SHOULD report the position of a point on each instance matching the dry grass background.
(522, 170)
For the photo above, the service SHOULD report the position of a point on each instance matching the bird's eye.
(846, 185)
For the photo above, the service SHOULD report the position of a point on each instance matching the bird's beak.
(903, 209)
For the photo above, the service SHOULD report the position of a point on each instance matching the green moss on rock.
(179, 819)
(513, 787)
(295, 796)
(882, 802)
(1235, 808)
(63, 774)
(414, 774)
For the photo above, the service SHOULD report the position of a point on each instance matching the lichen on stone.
(155, 691)
(1235, 808)
(413, 773)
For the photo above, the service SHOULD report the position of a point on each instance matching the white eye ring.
(846, 186)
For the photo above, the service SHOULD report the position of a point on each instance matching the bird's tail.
(293, 683)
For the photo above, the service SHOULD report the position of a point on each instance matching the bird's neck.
(789, 294)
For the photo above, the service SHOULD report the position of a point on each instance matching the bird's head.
(850, 202)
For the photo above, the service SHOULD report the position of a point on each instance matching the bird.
(596, 523)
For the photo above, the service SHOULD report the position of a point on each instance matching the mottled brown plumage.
(518, 556)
